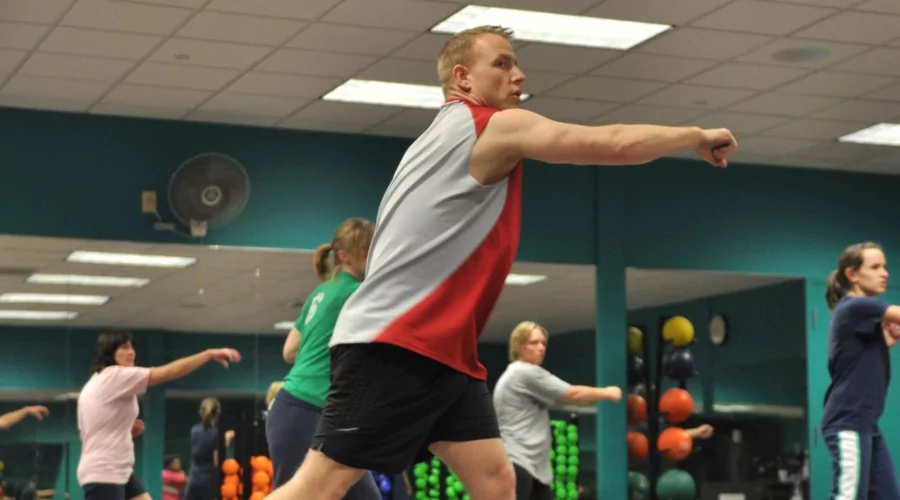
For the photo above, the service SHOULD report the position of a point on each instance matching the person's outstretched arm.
(515, 134)
(550, 389)
(12, 418)
(585, 394)
(184, 366)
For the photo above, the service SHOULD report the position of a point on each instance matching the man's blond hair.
(459, 47)
(521, 335)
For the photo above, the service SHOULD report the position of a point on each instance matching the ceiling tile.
(402, 70)
(747, 76)
(884, 6)
(309, 62)
(20, 36)
(556, 6)
(567, 110)
(10, 59)
(841, 4)
(653, 67)
(538, 82)
(417, 118)
(142, 95)
(190, 4)
(100, 69)
(847, 152)
(47, 103)
(362, 114)
(351, 39)
(202, 115)
(38, 86)
(703, 43)
(31, 11)
(830, 83)
(890, 157)
(879, 61)
(738, 123)
(115, 15)
(696, 96)
(773, 103)
(836, 52)
(655, 11)
(807, 128)
(562, 58)
(181, 76)
(891, 93)
(399, 14)
(743, 157)
(606, 89)
(204, 53)
(321, 126)
(637, 114)
(767, 18)
(284, 9)
(871, 111)
(281, 85)
(233, 102)
(235, 28)
(774, 146)
(858, 27)
(86, 42)
(103, 108)
(426, 47)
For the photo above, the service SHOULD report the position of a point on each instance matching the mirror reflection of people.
(203, 476)
(31, 492)
(862, 329)
(296, 407)
(10, 419)
(108, 413)
(523, 397)
(173, 478)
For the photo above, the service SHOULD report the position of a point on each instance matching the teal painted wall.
(672, 214)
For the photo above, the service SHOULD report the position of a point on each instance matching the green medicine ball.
(676, 485)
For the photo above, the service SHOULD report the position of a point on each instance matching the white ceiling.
(267, 63)
(248, 290)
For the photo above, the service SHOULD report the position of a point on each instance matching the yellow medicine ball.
(679, 331)
(635, 341)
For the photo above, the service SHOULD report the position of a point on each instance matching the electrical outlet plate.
(148, 202)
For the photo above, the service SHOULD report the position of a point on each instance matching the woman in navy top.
(862, 330)
(203, 480)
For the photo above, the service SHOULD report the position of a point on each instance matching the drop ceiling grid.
(718, 53)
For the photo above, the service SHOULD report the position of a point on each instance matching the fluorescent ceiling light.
(390, 94)
(883, 134)
(523, 279)
(36, 315)
(284, 325)
(53, 298)
(555, 28)
(129, 259)
(85, 280)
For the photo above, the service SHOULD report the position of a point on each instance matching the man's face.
(494, 74)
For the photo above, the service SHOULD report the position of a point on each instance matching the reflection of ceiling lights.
(407, 95)
(542, 27)
(129, 259)
(883, 134)
(284, 325)
(37, 315)
(85, 280)
(523, 279)
(53, 298)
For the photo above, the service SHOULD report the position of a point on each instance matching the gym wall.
(80, 176)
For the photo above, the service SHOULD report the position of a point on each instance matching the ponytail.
(320, 261)
(834, 289)
(210, 411)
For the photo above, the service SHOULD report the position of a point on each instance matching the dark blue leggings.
(290, 425)
(862, 467)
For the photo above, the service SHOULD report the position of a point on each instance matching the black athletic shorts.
(108, 491)
(386, 405)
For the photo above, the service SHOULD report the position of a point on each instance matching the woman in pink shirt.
(108, 413)
(173, 478)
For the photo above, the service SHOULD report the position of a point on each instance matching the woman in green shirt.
(294, 412)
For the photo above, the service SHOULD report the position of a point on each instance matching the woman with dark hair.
(108, 411)
(203, 480)
(862, 329)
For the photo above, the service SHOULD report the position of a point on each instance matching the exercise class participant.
(523, 397)
(173, 478)
(10, 419)
(294, 413)
(108, 413)
(406, 379)
(203, 477)
(859, 335)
